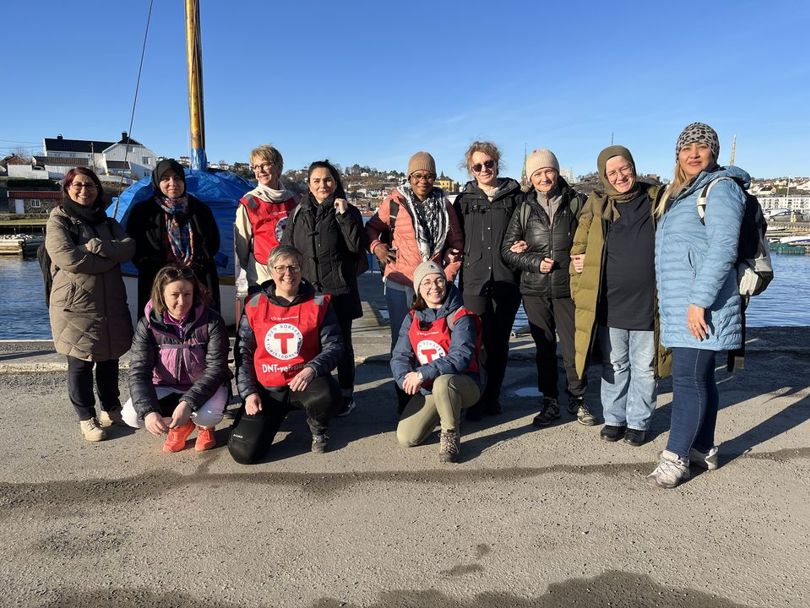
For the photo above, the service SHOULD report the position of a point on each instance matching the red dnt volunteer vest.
(434, 342)
(268, 221)
(287, 338)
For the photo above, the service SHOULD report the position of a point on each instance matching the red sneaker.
(205, 439)
(176, 440)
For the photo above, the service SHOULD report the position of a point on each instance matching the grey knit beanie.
(540, 159)
(699, 133)
(421, 161)
(424, 269)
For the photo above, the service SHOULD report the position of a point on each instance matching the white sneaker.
(705, 460)
(670, 471)
(91, 431)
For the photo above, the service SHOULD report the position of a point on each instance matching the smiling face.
(545, 179)
(422, 183)
(286, 274)
(83, 190)
(178, 296)
(172, 185)
(266, 172)
(620, 174)
(321, 184)
(694, 158)
(433, 288)
(484, 168)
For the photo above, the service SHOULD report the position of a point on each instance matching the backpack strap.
(704, 195)
(525, 212)
(393, 209)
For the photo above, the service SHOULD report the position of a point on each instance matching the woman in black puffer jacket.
(538, 244)
(329, 232)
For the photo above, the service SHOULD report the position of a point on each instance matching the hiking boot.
(91, 430)
(549, 413)
(205, 439)
(704, 460)
(577, 407)
(107, 418)
(348, 406)
(449, 446)
(635, 437)
(670, 471)
(612, 433)
(176, 441)
(320, 444)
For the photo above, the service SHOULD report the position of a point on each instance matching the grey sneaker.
(584, 415)
(91, 430)
(704, 460)
(549, 413)
(449, 446)
(670, 471)
(108, 418)
(320, 443)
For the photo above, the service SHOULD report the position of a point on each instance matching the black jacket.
(331, 244)
(146, 224)
(545, 240)
(483, 224)
(323, 363)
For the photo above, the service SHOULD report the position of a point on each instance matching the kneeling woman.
(289, 343)
(436, 361)
(178, 363)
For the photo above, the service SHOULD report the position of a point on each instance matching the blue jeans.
(628, 376)
(694, 401)
(399, 303)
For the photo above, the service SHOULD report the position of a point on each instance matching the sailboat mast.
(195, 85)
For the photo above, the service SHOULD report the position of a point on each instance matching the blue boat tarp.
(220, 190)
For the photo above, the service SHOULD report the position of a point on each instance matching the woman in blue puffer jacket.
(178, 363)
(699, 301)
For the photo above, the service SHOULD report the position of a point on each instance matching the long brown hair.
(170, 274)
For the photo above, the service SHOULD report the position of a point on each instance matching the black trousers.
(345, 367)
(252, 436)
(80, 386)
(547, 316)
(497, 307)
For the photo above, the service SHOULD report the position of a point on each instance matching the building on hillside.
(125, 158)
(446, 183)
(791, 202)
(129, 155)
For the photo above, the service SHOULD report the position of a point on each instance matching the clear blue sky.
(372, 82)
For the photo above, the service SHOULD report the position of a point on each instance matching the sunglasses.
(478, 167)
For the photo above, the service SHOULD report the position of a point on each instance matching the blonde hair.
(488, 148)
(267, 154)
(679, 182)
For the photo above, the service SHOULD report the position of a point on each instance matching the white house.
(129, 157)
(125, 158)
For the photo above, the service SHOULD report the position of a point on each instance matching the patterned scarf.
(431, 222)
(178, 228)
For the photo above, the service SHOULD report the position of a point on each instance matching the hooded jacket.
(88, 306)
(462, 344)
(695, 263)
(483, 225)
(196, 362)
(545, 239)
(331, 340)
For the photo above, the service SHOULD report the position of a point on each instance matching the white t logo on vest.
(283, 341)
(428, 350)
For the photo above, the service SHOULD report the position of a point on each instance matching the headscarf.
(601, 164)
(178, 228)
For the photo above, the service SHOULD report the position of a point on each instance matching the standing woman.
(699, 301)
(329, 232)
(435, 362)
(538, 243)
(489, 286)
(613, 286)
(88, 303)
(173, 227)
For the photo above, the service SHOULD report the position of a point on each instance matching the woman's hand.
(579, 261)
(155, 424)
(546, 265)
(253, 405)
(696, 321)
(341, 205)
(301, 380)
(180, 415)
(412, 383)
(519, 247)
(385, 254)
(452, 255)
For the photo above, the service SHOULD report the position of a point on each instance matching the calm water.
(24, 316)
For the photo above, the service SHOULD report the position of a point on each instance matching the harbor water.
(24, 316)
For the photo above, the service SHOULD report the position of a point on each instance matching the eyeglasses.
(439, 282)
(626, 170)
(285, 269)
(477, 167)
(426, 177)
(266, 167)
(86, 186)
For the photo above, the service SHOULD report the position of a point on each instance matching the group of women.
(631, 276)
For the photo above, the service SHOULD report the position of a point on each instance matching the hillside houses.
(125, 159)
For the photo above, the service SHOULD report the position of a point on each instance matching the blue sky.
(372, 82)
